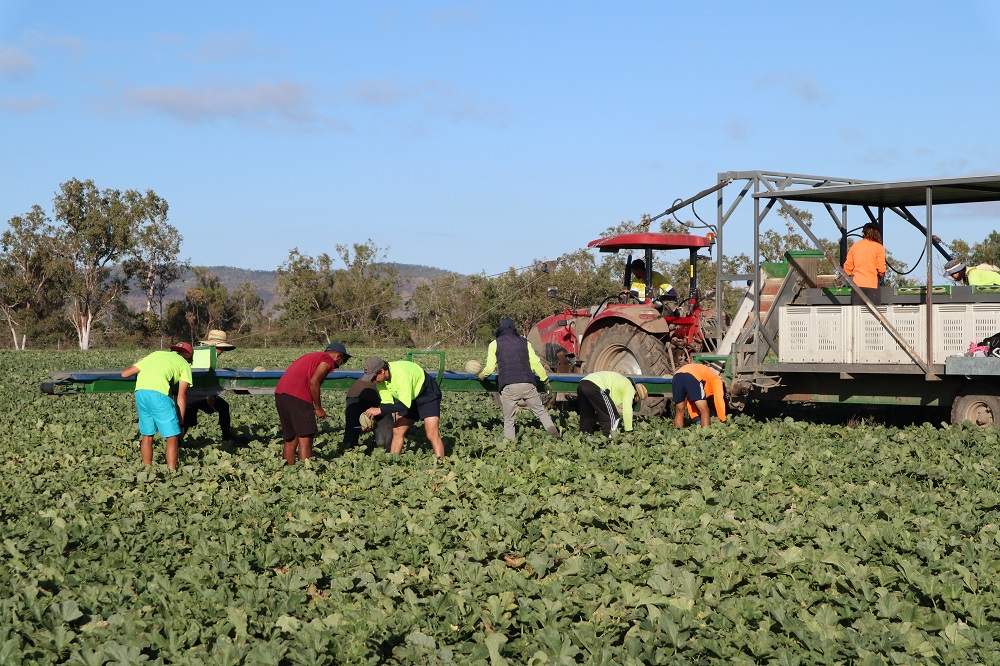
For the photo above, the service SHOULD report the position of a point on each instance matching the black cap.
(337, 347)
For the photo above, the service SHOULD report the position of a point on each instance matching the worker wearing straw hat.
(211, 403)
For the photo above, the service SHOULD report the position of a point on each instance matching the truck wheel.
(982, 410)
(630, 351)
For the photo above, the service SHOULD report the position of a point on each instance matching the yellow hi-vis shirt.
(660, 285)
(620, 390)
(161, 369)
(406, 378)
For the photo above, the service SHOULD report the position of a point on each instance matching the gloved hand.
(548, 386)
(480, 376)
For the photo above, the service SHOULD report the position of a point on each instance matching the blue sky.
(476, 136)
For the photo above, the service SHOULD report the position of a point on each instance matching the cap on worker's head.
(638, 264)
(954, 267)
(372, 367)
(217, 339)
(337, 347)
(640, 393)
(183, 348)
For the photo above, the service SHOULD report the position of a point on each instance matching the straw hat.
(217, 339)
(640, 392)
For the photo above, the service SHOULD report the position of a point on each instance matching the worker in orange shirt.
(693, 384)
(866, 264)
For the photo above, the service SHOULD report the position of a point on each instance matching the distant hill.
(265, 282)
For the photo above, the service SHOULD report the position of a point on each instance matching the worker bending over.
(607, 397)
(693, 384)
(516, 377)
(406, 389)
(981, 276)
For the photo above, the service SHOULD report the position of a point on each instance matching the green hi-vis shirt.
(161, 369)
(619, 389)
(980, 277)
(406, 378)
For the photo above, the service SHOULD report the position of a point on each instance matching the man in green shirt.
(407, 390)
(157, 412)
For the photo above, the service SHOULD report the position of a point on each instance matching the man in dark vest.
(516, 377)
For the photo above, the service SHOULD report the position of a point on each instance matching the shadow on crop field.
(851, 416)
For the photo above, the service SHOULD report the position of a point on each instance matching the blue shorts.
(686, 387)
(427, 403)
(157, 412)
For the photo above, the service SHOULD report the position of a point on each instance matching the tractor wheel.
(982, 410)
(630, 351)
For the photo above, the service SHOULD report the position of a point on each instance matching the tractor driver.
(662, 289)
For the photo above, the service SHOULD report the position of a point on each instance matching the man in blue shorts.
(157, 412)
(407, 390)
(693, 384)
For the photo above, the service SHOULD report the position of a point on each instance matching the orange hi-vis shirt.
(713, 388)
(865, 262)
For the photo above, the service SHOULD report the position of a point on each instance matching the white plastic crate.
(874, 344)
(831, 334)
(985, 321)
(956, 325)
(952, 327)
(814, 334)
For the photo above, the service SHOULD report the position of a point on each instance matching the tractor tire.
(630, 351)
(979, 409)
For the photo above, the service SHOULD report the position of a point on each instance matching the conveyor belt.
(248, 380)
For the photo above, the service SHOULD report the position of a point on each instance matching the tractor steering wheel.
(625, 297)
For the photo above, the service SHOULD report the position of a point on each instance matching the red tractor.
(633, 332)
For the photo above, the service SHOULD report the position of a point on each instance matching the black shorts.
(427, 403)
(686, 387)
(298, 417)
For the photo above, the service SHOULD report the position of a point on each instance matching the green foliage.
(155, 261)
(97, 229)
(32, 276)
(755, 542)
(452, 309)
(209, 305)
(986, 251)
(318, 301)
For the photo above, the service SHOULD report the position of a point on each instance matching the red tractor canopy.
(651, 241)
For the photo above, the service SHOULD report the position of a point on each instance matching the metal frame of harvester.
(796, 338)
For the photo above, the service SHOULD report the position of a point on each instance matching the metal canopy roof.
(651, 240)
(968, 189)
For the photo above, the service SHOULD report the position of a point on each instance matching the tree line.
(64, 275)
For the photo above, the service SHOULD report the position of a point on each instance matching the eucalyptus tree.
(97, 232)
(155, 258)
(32, 274)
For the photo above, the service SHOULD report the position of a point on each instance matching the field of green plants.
(759, 541)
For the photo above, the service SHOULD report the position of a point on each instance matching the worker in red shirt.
(693, 384)
(298, 400)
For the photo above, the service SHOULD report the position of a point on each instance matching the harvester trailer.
(797, 338)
